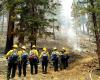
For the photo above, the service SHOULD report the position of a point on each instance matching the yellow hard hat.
(44, 48)
(33, 46)
(23, 47)
(54, 48)
(15, 46)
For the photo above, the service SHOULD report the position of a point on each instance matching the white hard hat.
(54, 48)
(33, 46)
(23, 47)
(64, 48)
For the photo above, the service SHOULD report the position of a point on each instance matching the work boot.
(36, 73)
(45, 72)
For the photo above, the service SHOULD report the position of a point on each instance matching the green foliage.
(84, 7)
(32, 15)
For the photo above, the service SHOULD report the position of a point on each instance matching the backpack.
(54, 56)
(44, 57)
(24, 56)
(32, 56)
(13, 58)
(62, 57)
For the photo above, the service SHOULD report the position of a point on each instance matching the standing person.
(34, 59)
(45, 58)
(22, 61)
(12, 62)
(62, 59)
(66, 53)
(54, 58)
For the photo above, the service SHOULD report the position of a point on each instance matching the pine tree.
(92, 9)
(28, 19)
(10, 37)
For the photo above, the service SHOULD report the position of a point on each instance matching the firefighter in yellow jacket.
(45, 58)
(62, 59)
(12, 57)
(34, 59)
(22, 61)
(65, 57)
(55, 58)
(65, 51)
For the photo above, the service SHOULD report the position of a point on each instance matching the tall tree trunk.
(2, 21)
(33, 11)
(83, 28)
(35, 36)
(21, 38)
(96, 31)
(21, 33)
(10, 30)
(88, 30)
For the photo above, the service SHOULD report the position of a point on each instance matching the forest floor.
(81, 67)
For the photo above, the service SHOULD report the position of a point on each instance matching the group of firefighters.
(19, 58)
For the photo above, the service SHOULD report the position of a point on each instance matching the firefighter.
(55, 58)
(22, 61)
(62, 59)
(66, 57)
(34, 59)
(12, 57)
(45, 58)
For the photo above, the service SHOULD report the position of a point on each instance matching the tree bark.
(10, 30)
(33, 12)
(21, 38)
(21, 35)
(96, 31)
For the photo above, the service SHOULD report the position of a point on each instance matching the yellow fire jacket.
(20, 53)
(35, 52)
(47, 53)
(10, 53)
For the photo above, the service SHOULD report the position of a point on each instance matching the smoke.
(67, 29)
(72, 38)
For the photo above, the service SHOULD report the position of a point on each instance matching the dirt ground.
(82, 67)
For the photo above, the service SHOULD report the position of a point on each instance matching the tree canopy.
(29, 19)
